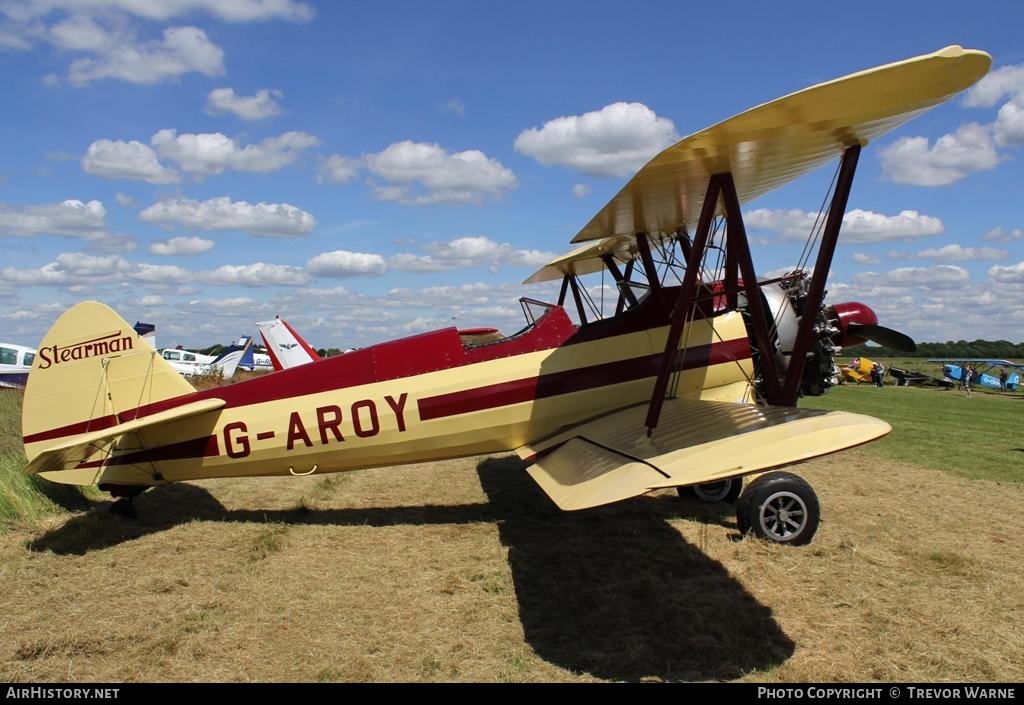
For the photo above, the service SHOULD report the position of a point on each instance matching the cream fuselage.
(426, 398)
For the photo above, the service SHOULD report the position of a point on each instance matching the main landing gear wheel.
(721, 491)
(780, 507)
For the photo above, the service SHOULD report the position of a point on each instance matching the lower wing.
(611, 458)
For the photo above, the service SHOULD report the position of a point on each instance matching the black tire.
(721, 491)
(124, 508)
(780, 507)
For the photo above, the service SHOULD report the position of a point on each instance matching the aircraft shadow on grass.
(614, 592)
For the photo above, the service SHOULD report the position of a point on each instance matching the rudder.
(92, 372)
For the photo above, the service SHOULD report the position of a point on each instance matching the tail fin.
(285, 347)
(92, 372)
(232, 358)
(248, 361)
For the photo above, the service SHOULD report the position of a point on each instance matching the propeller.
(858, 323)
(883, 336)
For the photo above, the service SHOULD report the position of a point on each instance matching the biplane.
(691, 382)
(913, 378)
(987, 372)
(862, 370)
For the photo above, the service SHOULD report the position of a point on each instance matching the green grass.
(10, 420)
(976, 437)
(24, 498)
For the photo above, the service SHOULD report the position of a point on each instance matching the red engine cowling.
(847, 313)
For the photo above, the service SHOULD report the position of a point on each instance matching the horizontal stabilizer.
(60, 462)
(611, 458)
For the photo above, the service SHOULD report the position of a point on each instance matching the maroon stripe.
(531, 388)
(394, 360)
(204, 446)
(397, 359)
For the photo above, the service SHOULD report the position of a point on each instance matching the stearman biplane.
(988, 372)
(691, 382)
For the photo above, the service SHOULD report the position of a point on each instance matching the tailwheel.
(780, 507)
(124, 496)
(721, 491)
(124, 507)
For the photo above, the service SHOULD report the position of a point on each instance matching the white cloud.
(1011, 274)
(910, 160)
(1009, 127)
(457, 254)
(84, 273)
(614, 141)
(1004, 81)
(71, 218)
(181, 246)
(152, 300)
(342, 263)
(256, 107)
(455, 105)
(80, 33)
(953, 252)
(212, 152)
(258, 274)
(998, 235)
(859, 226)
(126, 160)
(942, 276)
(467, 252)
(69, 268)
(161, 10)
(108, 243)
(259, 219)
(182, 50)
(864, 258)
(423, 174)
(125, 200)
(12, 40)
(337, 169)
(580, 191)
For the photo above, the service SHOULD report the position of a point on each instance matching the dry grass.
(463, 571)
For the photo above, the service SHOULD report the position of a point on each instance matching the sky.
(369, 171)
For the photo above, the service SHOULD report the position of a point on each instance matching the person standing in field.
(968, 378)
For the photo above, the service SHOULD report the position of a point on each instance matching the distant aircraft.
(285, 347)
(685, 384)
(859, 371)
(953, 369)
(15, 363)
(192, 364)
(252, 360)
(911, 378)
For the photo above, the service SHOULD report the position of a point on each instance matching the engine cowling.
(851, 313)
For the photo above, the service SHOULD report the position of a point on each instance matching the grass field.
(463, 571)
(980, 437)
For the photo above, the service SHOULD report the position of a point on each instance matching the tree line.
(998, 349)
